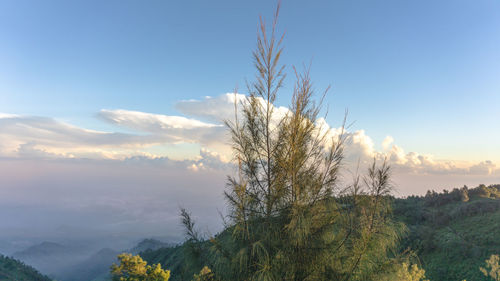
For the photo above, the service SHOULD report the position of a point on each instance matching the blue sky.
(425, 72)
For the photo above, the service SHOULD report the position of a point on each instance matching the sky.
(112, 106)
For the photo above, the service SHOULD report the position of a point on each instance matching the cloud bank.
(44, 137)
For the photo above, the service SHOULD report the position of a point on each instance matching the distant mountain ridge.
(40, 250)
(96, 267)
(59, 262)
(150, 244)
(49, 257)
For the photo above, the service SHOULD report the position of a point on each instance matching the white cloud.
(152, 123)
(59, 138)
(386, 144)
(215, 109)
(221, 108)
(6, 115)
(42, 137)
(25, 136)
(360, 148)
(483, 168)
(167, 129)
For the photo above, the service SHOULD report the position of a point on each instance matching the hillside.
(174, 259)
(12, 269)
(452, 233)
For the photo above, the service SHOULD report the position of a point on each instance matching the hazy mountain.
(96, 267)
(43, 249)
(150, 244)
(50, 258)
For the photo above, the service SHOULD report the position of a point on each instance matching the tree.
(492, 268)
(205, 275)
(290, 218)
(133, 268)
(407, 272)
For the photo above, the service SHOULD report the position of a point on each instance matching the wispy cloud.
(31, 136)
(152, 123)
(24, 134)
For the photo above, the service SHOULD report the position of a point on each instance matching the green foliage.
(492, 191)
(134, 268)
(205, 275)
(407, 272)
(411, 273)
(492, 268)
(12, 269)
(450, 236)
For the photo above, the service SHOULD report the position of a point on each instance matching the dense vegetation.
(452, 232)
(12, 269)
